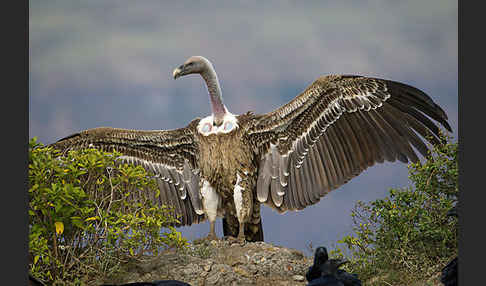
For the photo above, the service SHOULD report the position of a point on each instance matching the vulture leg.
(253, 227)
(210, 201)
(212, 232)
(241, 233)
(244, 222)
(230, 226)
(243, 199)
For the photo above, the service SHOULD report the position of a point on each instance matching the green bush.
(407, 237)
(83, 221)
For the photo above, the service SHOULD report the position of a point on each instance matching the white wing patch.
(206, 127)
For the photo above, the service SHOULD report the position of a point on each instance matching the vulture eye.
(206, 128)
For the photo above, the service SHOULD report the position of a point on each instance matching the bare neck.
(215, 97)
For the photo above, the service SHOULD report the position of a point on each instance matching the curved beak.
(178, 72)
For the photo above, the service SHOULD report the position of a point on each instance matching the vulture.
(227, 165)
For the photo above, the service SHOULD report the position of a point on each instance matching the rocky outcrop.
(224, 262)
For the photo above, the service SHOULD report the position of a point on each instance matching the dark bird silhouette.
(326, 280)
(450, 271)
(320, 258)
(348, 279)
(326, 272)
(155, 283)
(227, 165)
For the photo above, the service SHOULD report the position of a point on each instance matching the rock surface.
(224, 262)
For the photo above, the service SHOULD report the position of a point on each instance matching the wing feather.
(300, 187)
(329, 161)
(418, 121)
(264, 178)
(335, 146)
(344, 142)
(316, 174)
(354, 143)
(307, 174)
(336, 128)
(321, 170)
(295, 195)
(169, 154)
(380, 147)
(391, 151)
(323, 158)
(399, 129)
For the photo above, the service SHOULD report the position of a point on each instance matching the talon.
(212, 236)
(239, 240)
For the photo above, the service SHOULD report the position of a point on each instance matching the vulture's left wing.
(339, 126)
(170, 154)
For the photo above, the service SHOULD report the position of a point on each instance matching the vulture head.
(194, 64)
(201, 65)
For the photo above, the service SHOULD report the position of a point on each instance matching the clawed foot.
(211, 236)
(239, 240)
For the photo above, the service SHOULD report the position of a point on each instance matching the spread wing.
(170, 154)
(339, 126)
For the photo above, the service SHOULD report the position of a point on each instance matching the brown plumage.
(226, 165)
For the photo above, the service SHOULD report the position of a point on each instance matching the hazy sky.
(109, 63)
